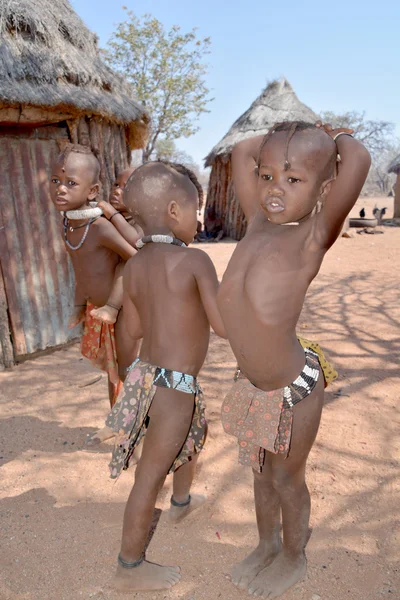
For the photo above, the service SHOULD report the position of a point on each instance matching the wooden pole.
(7, 357)
(396, 214)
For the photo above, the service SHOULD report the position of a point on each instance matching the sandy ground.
(61, 514)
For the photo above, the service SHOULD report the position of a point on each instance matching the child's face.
(289, 196)
(71, 184)
(117, 191)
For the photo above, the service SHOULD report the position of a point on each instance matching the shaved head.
(152, 187)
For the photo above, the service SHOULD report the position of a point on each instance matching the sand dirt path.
(61, 514)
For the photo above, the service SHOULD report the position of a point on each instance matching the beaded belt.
(303, 385)
(172, 379)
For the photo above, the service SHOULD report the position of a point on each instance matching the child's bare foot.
(244, 572)
(146, 577)
(100, 436)
(282, 574)
(107, 314)
(176, 514)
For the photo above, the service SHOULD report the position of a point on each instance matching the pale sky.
(338, 56)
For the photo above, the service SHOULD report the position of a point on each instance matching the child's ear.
(326, 188)
(94, 191)
(173, 210)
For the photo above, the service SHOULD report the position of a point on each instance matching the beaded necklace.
(88, 224)
(159, 238)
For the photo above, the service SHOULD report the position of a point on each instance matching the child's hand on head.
(327, 127)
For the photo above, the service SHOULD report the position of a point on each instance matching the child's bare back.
(169, 301)
(163, 282)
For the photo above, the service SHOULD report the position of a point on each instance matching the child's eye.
(71, 183)
(266, 177)
(293, 180)
(55, 180)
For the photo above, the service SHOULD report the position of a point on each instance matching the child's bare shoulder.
(199, 260)
(102, 226)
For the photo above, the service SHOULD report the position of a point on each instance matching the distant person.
(213, 225)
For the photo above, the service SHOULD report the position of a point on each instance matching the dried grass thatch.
(49, 59)
(278, 102)
(394, 166)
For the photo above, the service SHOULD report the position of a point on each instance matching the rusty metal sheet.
(38, 276)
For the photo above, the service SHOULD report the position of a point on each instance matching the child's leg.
(105, 433)
(170, 419)
(267, 507)
(288, 481)
(182, 501)
(109, 312)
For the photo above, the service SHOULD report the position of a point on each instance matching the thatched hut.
(54, 88)
(278, 102)
(394, 167)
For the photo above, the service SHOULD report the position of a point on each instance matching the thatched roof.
(394, 166)
(49, 59)
(278, 102)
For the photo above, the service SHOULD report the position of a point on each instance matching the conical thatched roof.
(394, 166)
(49, 59)
(278, 102)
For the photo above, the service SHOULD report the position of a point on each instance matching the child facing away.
(95, 248)
(274, 407)
(169, 301)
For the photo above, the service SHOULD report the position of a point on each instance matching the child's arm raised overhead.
(131, 315)
(345, 189)
(207, 282)
(245, 175)
(110, 238)
(130, 232)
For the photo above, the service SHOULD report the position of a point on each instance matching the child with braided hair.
(279, 180)
(95, 248)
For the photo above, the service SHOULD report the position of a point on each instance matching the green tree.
(167, 71)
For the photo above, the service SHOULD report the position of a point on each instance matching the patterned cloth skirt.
(129, 417)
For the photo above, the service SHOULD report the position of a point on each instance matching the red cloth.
(98, 345)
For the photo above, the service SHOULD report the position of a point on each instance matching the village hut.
(277, 103)
(54, 89)
(394, 167)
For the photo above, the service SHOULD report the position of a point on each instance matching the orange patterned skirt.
(98, 345)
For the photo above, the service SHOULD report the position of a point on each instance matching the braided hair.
(84, 151)
(291, 127)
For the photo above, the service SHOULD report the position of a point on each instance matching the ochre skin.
(170, 301)
(72, 186)
(260, 300)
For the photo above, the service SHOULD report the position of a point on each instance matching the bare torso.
(94, 264)
(175, 326)
(261, 297)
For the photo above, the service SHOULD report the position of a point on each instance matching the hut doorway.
(37, 284)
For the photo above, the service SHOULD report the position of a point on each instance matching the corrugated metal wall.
(37, 274)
